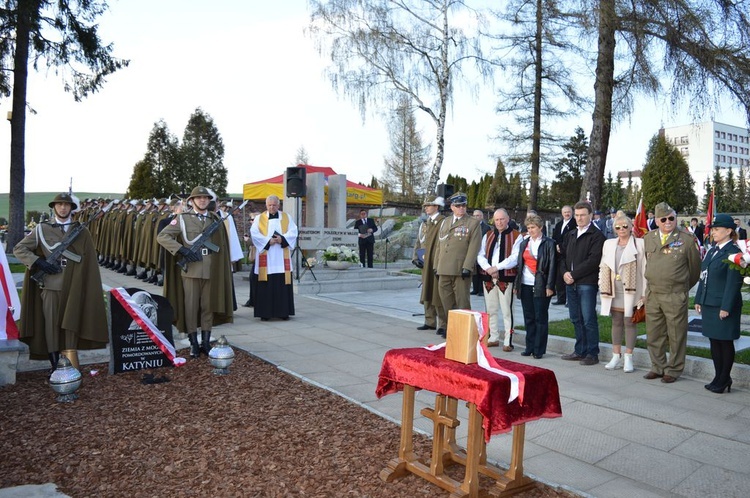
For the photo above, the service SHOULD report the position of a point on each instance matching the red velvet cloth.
(429, 370)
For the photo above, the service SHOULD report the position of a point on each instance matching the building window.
(723, 135)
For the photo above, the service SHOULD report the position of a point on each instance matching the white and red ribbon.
(487, 362)
(10, 303)
(147, 325)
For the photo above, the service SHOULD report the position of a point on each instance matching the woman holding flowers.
(719, 301)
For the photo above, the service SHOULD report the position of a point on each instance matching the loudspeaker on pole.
(296, 181)
(445, 190)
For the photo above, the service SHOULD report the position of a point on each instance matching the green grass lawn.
(564, 328)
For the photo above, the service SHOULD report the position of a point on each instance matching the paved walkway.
(620, 435)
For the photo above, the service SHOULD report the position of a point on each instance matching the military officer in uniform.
(207, 283)
(673, 266)
(66, 311)
(459, 238)
(424, 258)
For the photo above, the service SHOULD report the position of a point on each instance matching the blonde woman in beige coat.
(622, 285)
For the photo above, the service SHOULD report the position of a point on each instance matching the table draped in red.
(489, 391)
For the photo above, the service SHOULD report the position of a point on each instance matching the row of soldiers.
(125, 237)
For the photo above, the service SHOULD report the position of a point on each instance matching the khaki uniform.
(434, 313)
(457, 248)
(672, 269)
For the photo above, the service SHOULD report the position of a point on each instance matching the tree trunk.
(537, 131)
(26, 10)
(602, 117)
(444, 88)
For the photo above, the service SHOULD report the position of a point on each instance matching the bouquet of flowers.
(739, 262)
(340, 253)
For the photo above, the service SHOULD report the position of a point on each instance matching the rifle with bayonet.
(50, 263)
(203, 244)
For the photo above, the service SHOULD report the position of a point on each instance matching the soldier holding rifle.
(62, 304)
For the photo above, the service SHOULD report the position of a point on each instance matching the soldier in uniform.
(207, 283)
(673, 266)
(459, 238)
(67, 312)
(424, 258)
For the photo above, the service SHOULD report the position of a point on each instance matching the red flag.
(710, 212)
(640, 224)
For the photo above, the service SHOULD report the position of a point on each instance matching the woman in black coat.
(535, 285)
(719, 301)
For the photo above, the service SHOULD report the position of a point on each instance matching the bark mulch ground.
(257, 432)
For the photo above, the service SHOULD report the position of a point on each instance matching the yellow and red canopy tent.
(355, 192)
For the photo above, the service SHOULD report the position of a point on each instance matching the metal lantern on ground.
(221, 356)
(65, 381)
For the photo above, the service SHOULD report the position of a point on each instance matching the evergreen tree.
(742, 192)
(719, 188)
(63, 36)
(499, 191)
(729, 203)
(613, 195)
(707, 195)
(163, 154)
(666, 177)
(566, 188)
(202, 155)
(405, 170)
(142, 180)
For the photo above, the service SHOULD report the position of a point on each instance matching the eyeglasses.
(668, 218)
(621, 227)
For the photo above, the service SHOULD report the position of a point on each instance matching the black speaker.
(445, 191)
(296, 185)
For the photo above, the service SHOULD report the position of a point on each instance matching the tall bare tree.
(380, 49)
(56, 34)
(704, 49)
(542, 60)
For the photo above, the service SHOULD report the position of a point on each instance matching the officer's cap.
(663, 209)
(723, 221)
(63, 197)
(459, 198)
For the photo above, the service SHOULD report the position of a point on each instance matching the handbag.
(639, 314)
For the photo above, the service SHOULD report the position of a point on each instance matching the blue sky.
(250, 66)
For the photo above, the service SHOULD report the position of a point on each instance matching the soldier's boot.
(142, 276)
(152, 278)
(195, 350)
(117, 266)
(123, 267)
(131, 271)
(53, 359)
(160, 280)
(205, 342)
(111, 264)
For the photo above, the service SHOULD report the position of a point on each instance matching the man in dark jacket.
(561, 228)
(366, 228)
(476, 281)
(582, 253)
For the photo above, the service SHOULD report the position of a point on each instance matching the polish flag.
(10, 304)
(640, 224)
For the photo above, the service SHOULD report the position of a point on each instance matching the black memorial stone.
(132, 348)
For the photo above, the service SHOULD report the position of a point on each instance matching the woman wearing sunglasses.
(622, 286)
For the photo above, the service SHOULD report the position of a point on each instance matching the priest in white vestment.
(274, 235)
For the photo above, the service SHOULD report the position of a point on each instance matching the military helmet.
(200, 191)
(63, 197)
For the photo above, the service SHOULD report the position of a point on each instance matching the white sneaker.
(614, 362)
(628, 363)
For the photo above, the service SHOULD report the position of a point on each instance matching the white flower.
(746, 280)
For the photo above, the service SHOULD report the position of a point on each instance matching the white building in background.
(709, 144)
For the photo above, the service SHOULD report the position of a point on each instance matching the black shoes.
(441, 333)
(589, 360)
(426, 327)
(559, 302)
(572, 357)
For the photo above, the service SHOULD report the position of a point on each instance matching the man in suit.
(696, 230)
(651, 221)
(558, 234)
(673, 266)
(424, 258)
(366, 228)
(459, 238)
(741, 232)
(476, 281)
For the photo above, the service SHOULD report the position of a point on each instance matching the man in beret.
(66, 311)
(424, 258)
(673, 266)
(459, 239)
